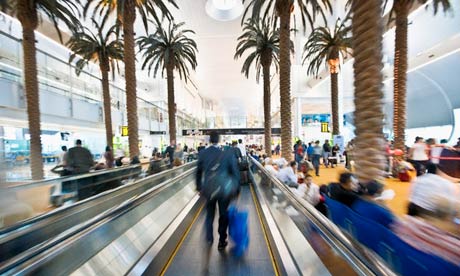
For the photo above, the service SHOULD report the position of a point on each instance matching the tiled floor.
(194, 254)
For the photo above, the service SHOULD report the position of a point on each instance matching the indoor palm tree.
(168, 50)
(105, 50)
(400, 13)
(126, 11)
(308, 11)
(367, 29)
(326, 47)
(262, 40)
(28, 12)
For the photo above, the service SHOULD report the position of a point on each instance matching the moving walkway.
(29, 233)
(160, 232)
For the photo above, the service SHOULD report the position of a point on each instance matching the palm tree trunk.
(27, 15)
(285, 83)
(129, 16)
(335, 104)
(367, 28)
(171, 104)
(107, 105)
(267, 109)
(400, 76)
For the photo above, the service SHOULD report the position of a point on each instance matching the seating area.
(401, 257)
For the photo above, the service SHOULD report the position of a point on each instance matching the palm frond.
(261, 40)
(323, 45)
(101, 48)
(156, 9)
(169, 46)
(309, 10)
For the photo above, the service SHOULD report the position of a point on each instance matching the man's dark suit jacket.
(208, 157)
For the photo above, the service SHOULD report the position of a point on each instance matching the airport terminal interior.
(230, 137)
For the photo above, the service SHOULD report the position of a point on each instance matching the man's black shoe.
(222, 245)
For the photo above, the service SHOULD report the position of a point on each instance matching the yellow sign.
(124, 131)
(324, 127)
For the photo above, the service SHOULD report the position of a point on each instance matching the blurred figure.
(418, 155)
(457, 146)
(156, 164)
(346, 190)
(298, 153)
(79, 159)
(326, 153)
(200, 148)
(213, 162)
(108, 156)
(277, 149)
(335, 155)
(288, 175)
(135, 160)
(169, 152)
(349, 154)
(178, 155)
(309, 191)
(242, 147)
(317, 151)
(310, 151)
(368, 204)
(270, 166)
(432, 224)
(62, 156)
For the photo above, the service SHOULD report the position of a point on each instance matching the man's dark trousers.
(223, 219)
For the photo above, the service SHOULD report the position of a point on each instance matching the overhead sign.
(157, 132)
(124, 131)
(230, 131)
(325, 127)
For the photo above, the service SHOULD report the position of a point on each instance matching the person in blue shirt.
(310, 151)
(368, 207)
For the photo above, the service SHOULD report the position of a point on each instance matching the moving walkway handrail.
(52, 181)
(362, 262)
(82, 202)
(63, 241)
(20, 234)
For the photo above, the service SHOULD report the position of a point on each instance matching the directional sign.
(124, 131)
(229, 131)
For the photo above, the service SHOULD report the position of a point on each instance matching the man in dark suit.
(206, 160)
(78, 159)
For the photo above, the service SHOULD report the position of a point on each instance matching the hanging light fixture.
(224, 10)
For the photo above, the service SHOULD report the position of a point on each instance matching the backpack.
(219, 184)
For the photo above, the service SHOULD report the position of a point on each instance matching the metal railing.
(361, 260)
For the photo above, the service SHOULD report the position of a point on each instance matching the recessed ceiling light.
(224, 10)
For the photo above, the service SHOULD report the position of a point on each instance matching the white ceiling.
(218, 75)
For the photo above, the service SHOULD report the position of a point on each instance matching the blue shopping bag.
(238, 229)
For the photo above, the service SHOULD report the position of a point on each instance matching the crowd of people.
(432, 223)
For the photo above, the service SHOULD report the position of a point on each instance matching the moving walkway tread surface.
(193, 253)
